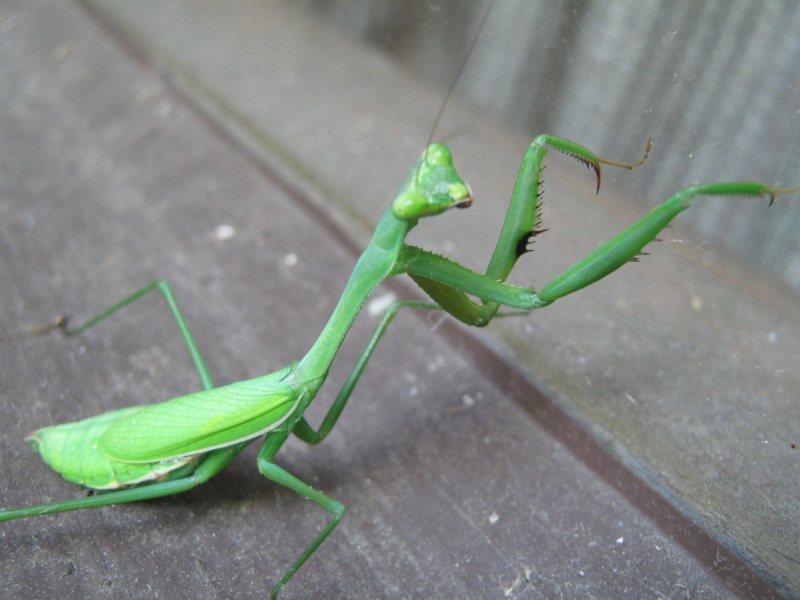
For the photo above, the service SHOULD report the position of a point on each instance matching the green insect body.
(152, 451)
(75, 451)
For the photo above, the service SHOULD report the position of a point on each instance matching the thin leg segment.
(165, 290)
(212, 464)
(271, 471)
(303, 430)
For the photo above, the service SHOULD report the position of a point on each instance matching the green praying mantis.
(145, 452)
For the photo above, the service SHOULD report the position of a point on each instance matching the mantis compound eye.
(439, 154)
(409, 205)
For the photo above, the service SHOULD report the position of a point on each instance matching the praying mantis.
(150, 451)
(451, 289)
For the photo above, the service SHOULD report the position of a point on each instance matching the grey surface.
(112, 180)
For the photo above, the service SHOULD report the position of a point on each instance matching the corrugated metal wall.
(716, 83)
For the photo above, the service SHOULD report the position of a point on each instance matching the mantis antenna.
(462, 65)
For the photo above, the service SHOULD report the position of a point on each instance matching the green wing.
(71, 449)
(202, 421)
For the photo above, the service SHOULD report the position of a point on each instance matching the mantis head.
(432, 188)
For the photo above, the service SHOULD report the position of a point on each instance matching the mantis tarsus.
(157, 450)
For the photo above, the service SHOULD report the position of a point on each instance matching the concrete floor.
(638, 440)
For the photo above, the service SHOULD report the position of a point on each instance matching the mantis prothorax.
(150, 451)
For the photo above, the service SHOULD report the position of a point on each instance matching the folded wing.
(202, 421)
